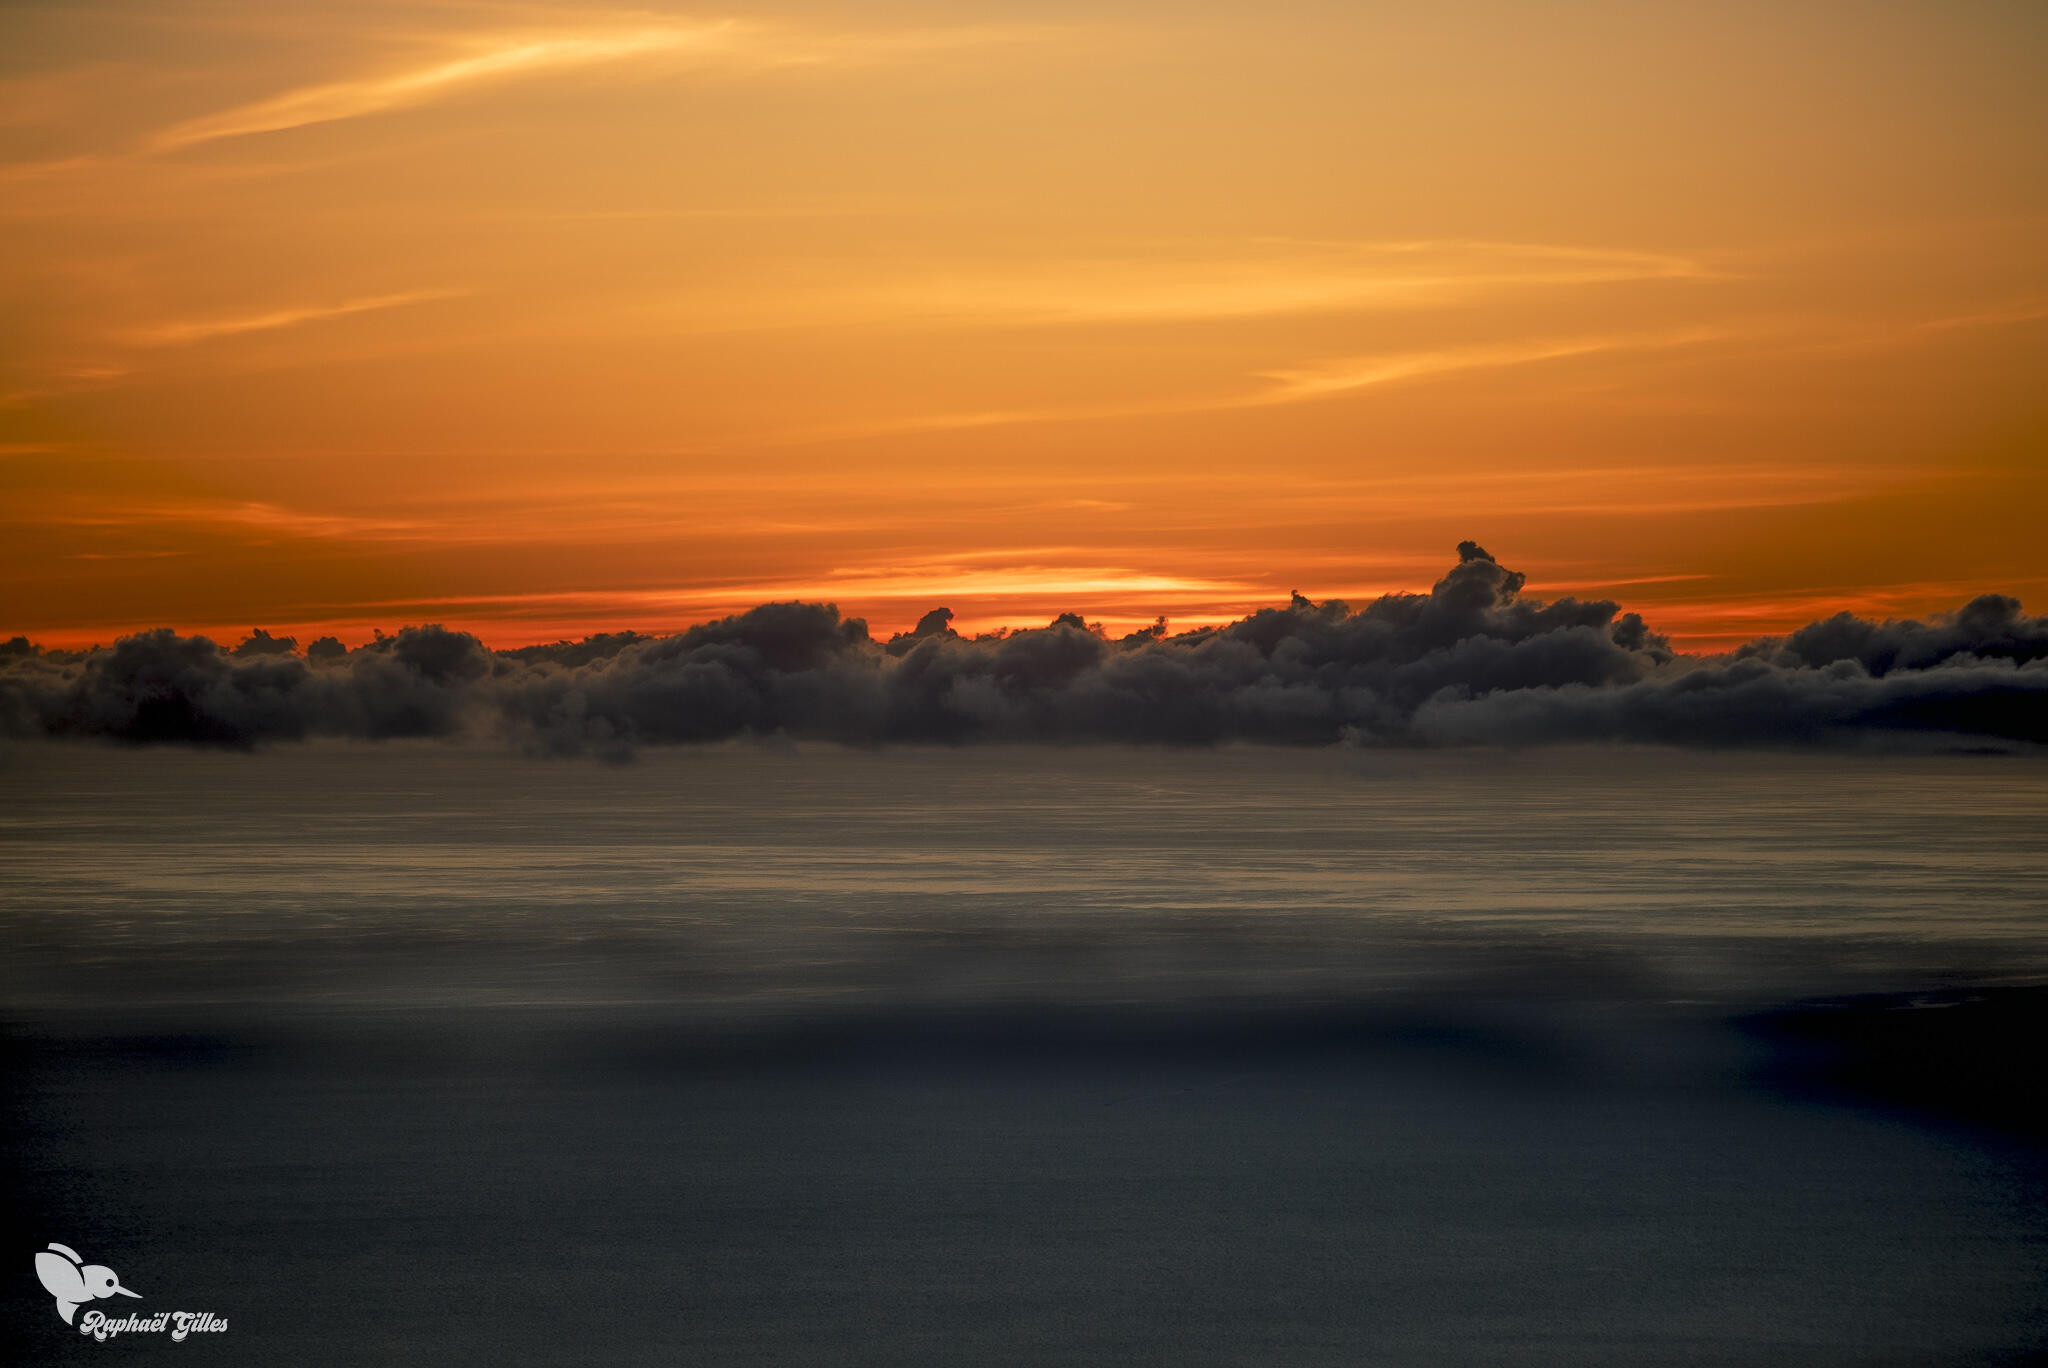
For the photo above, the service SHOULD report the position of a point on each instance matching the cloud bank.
(1472, 662)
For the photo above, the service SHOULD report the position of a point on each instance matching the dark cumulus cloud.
(1474, 661)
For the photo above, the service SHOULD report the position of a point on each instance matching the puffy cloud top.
(1473, 661)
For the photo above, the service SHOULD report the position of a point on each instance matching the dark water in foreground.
(991, 1056)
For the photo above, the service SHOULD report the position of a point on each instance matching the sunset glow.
(541, 320)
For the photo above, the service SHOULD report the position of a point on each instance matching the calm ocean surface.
(1011, 1055)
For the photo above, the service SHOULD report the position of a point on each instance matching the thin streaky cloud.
(1569, 262)
(125, 555)
(504, 57)
(2025, 311)
(249, 514)
(1353, 373)
(923, 583)
(338, 100)
(200, 330)
(1562, 586)
(1303, 279)
(1809, 339)
(704, 213)
(1292, 386)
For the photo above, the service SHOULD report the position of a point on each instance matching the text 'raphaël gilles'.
(102, 1326)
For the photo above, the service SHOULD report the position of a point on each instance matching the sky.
(540, 320)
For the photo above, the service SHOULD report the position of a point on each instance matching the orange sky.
(544, 319)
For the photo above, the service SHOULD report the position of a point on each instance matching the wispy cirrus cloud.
(1339, 376)
(492, 60)
(1180, 284)
(182, 332)
(1294, 385)
(1310, 381)
(244, 516)
(488, 58)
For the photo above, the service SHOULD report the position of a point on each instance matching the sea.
(790, 1054)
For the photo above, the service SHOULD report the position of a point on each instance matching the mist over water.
(1018, 1054)
(749, 880)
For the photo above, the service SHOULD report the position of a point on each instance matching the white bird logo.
(74, 1282)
